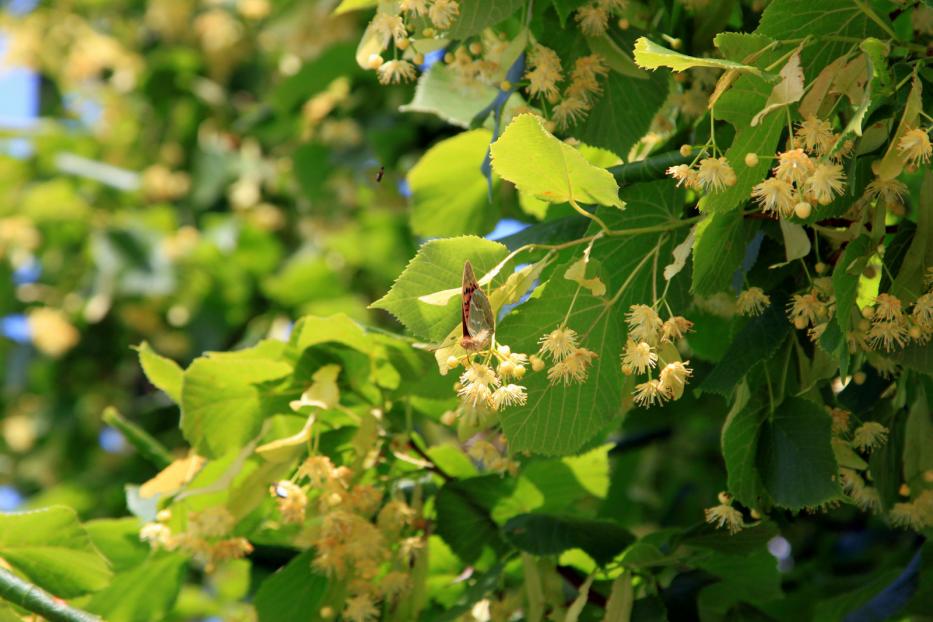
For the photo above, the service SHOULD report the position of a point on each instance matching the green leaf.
(541, 165)
(909, 283)
(740, 434)
(886, 462)
(718, 251)
(220, 402)
(54, 551)
(752, 577)
(650, 55)
(437, 266)
(623, 113)
(477, 15)
(574, 484)
(916, 356)
(758, 340)
(558, 419)
(836, 22)
(441, 92)
(795, 456)
(294, 592)
(747, 541)
(449, 193)
(564, 8)
(551, 534)
(918, 439)
(164, 373)
(837, 606)
(312, 330)
(846, 277)
(118, 539)
(146, 592)
(463, 515)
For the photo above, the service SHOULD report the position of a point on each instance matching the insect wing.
(469, 286)
(481, 319)
(478, 319)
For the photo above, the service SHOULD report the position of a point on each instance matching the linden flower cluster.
(724, 515)
(890, 326)
(752, 302)
(913, 149)
(808, 174)
(545, 73)
(814, 309)
(482, 61)
(492, 458)
(710, 174)
(393, 28)
(593, 17)
(570, 363)
(650, 347)
(357, 538)
(916, 514)
(866, 438)
(489, 382)
(207, 537)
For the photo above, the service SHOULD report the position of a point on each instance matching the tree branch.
(34, 599)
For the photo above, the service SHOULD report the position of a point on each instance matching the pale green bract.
(650, 55)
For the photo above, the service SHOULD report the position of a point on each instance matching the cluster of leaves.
(333, 468)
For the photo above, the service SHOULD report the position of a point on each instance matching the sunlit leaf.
(537, 163)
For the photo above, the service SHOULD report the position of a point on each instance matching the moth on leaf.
(478, 320)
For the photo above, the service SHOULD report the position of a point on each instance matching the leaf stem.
(34, 599)
(147, 446)
(676, 224)
(599, 221)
